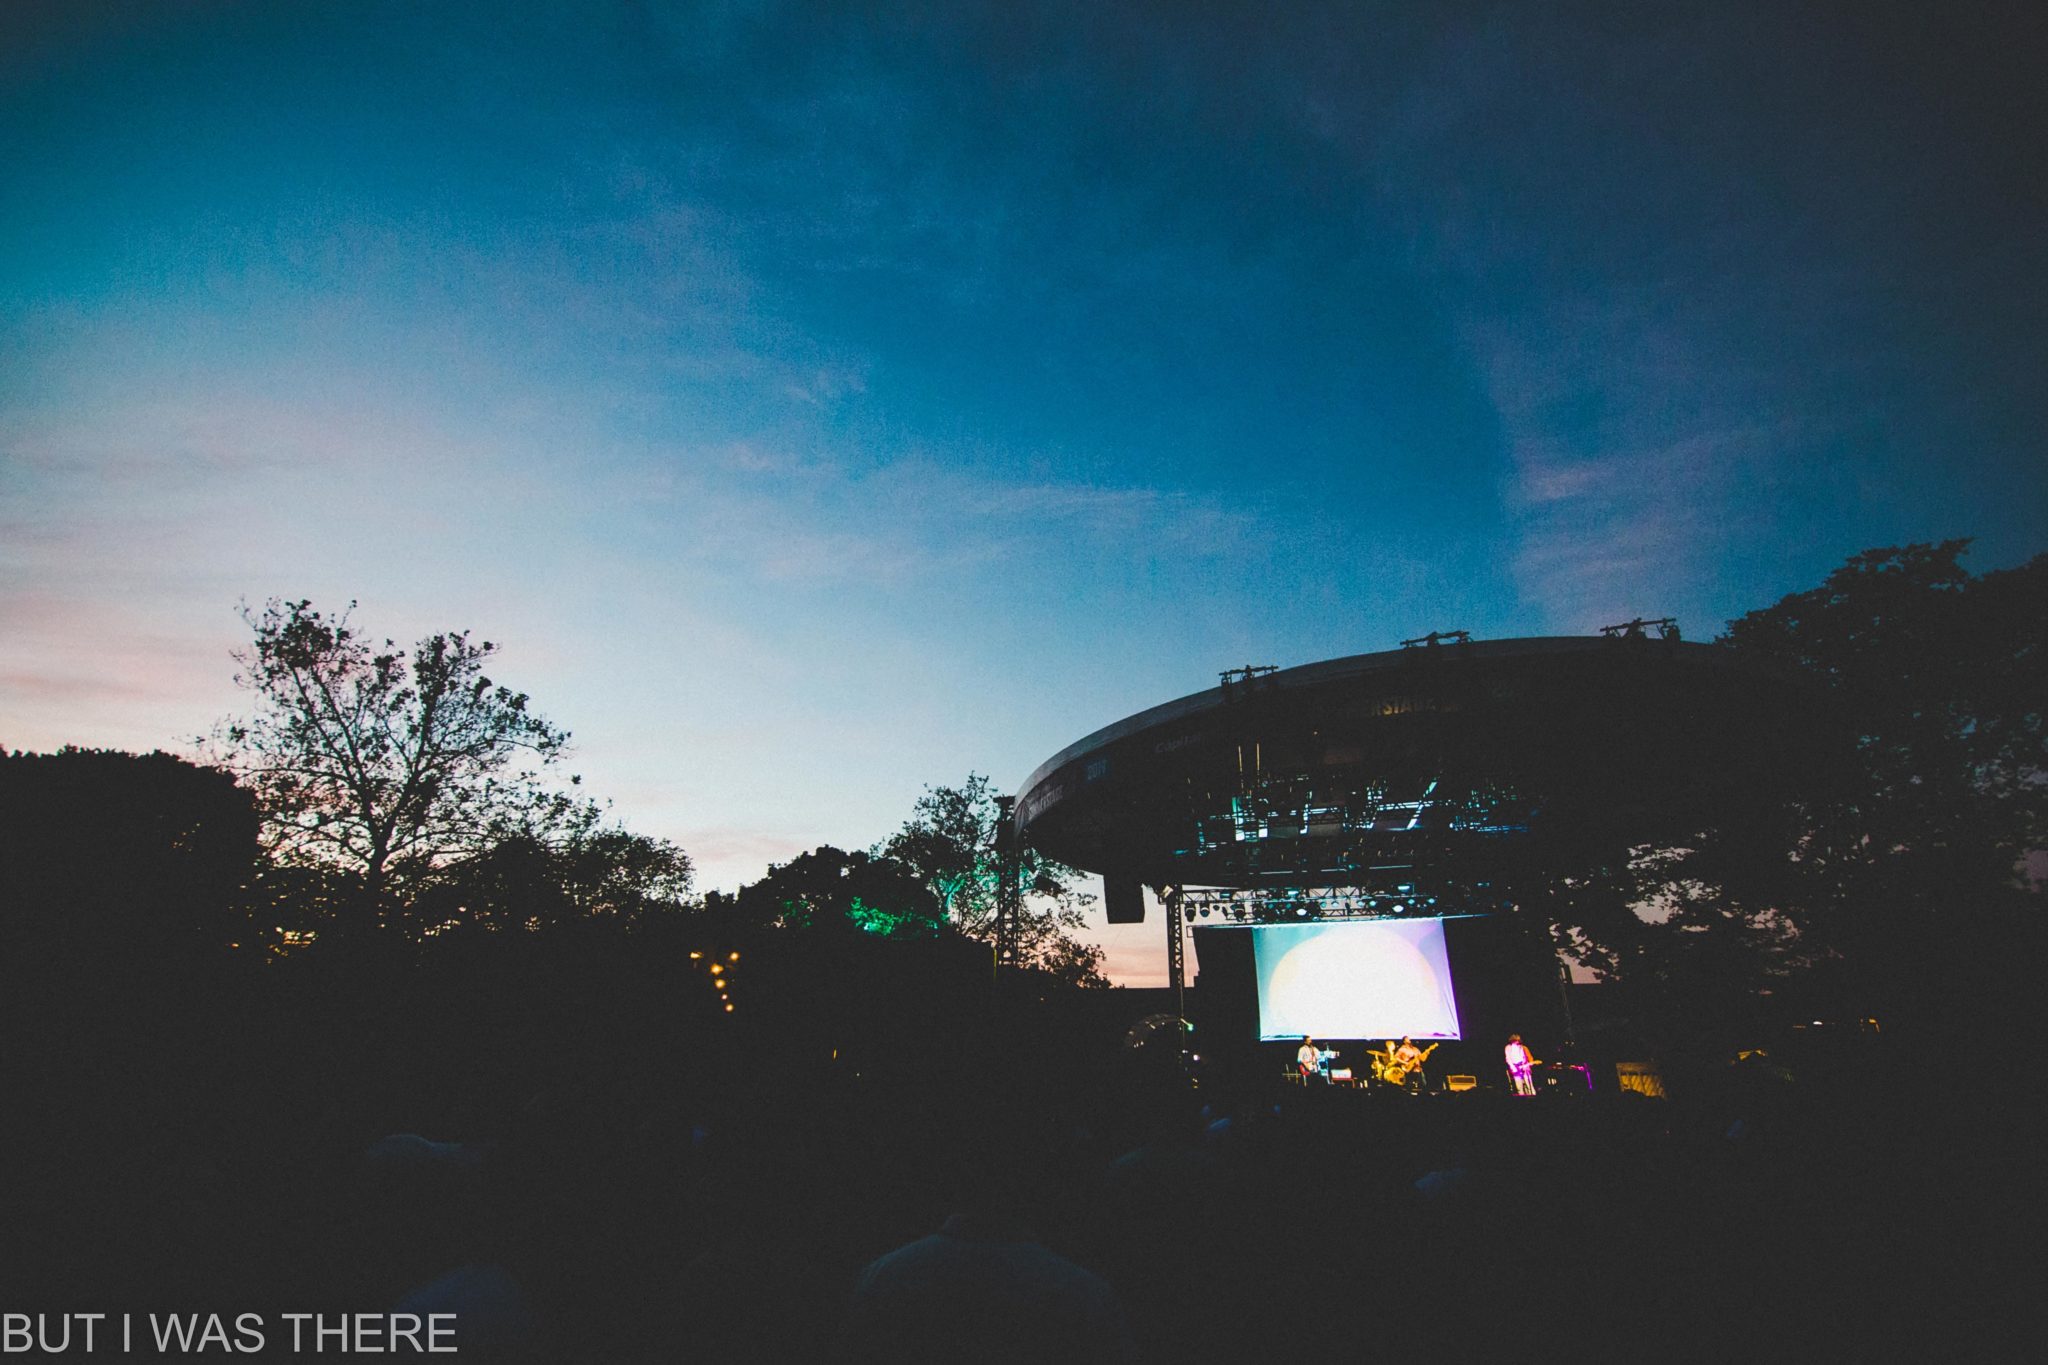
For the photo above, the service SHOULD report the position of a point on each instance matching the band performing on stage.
(1401, 1065)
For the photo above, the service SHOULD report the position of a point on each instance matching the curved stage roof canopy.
(1467, 760)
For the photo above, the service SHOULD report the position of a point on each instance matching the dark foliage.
(380, 767)
(831, 891)
(950, 845)
(114, 856)
(1908, 880)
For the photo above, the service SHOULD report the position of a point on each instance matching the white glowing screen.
(1354, 979)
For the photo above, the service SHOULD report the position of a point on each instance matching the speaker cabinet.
(1123, 901)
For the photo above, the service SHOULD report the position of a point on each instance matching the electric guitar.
(1398, 1071)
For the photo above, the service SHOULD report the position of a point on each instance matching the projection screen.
(1354, 979)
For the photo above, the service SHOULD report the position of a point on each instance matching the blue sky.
(822, 401)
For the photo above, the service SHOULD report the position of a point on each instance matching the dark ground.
(668, 1182)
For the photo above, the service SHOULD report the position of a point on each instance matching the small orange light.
(734, 958)
(728, 1008)
(695, 956)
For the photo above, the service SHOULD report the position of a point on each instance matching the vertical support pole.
(1564, 996)
(1176, 943)
(1177, 967)
(1009, 888)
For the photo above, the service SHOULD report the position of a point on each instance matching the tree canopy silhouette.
(949, 843)
(1909, 872)
(128, 855)
(383, 766)
(831, 890)
(585, 874)
(1880, 864)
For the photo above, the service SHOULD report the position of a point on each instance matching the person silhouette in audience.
(982, 1288)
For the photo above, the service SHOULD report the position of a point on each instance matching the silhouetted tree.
(1693, 956)
(383, 766)
(1883, 869)
(586, 875)
(949, 842)
(831, 890)
(625, 878)
(135, 855)
(1909, 871)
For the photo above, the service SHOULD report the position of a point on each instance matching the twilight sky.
(819, 401)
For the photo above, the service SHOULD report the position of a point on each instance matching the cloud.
(813, 521)
(1667, 303)
(1177, 519)
(1628, 458)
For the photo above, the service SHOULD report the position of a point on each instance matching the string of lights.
(719, 970)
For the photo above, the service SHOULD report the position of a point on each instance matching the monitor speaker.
(1123, 901)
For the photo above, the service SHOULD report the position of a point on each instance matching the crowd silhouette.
(565, 1152)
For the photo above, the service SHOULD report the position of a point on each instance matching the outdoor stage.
(1445, 789)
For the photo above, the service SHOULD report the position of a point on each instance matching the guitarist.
(1521, 1066)
(1308, 1059)
(1407, 1067)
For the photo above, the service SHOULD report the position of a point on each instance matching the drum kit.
(1389, 1067)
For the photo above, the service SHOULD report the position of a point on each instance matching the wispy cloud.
(1659, 342)
(815, 521)
(1628, 459)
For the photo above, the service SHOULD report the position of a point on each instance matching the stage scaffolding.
(1289, 904)
(1009, 886)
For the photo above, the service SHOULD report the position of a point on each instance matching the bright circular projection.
(1362, 979)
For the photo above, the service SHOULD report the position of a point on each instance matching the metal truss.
(1284, 904)
(1009, 887)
